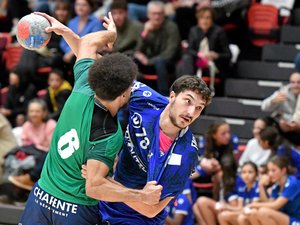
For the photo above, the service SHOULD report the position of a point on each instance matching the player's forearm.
(72, 39)
(112, 192)
(263, 195)
(149, 211)
(91, 42)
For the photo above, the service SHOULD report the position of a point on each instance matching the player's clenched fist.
(152, 193)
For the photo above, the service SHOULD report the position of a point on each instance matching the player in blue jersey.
(206, 210)
(158, 145)
(283, 208)
(180, 211)
(269, 138)
(247, 192)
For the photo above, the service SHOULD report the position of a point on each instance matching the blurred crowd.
(166, 39)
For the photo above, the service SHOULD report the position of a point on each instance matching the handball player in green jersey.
(88, 132)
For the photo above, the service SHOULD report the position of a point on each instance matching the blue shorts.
(43, 209)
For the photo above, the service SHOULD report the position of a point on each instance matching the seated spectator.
(57, 93)
(20, 92)
(16, 9)
(7, 140)
(282, 105)
(247, 192)
(227, 11)
(219, 144)
(283, 208)
(269, 138)
(159, 46)
(183, 13)
(254, 152)
(128, 30)
(36, 136)
(205, 209)
(208, 50)
(137, 9)
(180, 211)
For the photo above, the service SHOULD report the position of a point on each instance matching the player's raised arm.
(87, 46)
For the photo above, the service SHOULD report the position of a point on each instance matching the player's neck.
(111, 106)
(167, 126)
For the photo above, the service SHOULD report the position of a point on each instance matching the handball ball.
(31, 31)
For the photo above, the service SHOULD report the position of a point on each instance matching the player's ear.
(172, 96)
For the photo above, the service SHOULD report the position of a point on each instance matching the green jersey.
(71, 146)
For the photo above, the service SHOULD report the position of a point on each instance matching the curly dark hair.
(192, 83)
(111, 75)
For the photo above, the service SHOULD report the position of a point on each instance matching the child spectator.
(283, 208)
(219, 144)
(57, 93)
(269, 138)
(247, 192)
(205, 209)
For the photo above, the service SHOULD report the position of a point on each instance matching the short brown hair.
(119, 4)
(204, 9)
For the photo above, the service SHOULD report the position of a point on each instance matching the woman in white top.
(253, 151)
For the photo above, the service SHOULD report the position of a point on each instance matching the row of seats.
(253, 82)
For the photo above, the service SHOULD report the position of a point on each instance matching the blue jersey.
(247, 196)
(183, 206)
(291, 192)
(140, 159)
(189, 189)
(294, 157)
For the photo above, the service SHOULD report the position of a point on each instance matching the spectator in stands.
(269, 138)
(36, 136)
(184, 15)
(227, 11)
(16, 9)
(205, 209)
(83, 23)
(159, 46)
(219, 144)
(57, 93)
(7, 140)
(20, 92)
(208, 50)
(282, 105)
(5, 22)
(283, 208)
(137, 9)
(128, 30)
(253, 151)
(247, 192)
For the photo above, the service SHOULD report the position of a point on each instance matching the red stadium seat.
(263, 22)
